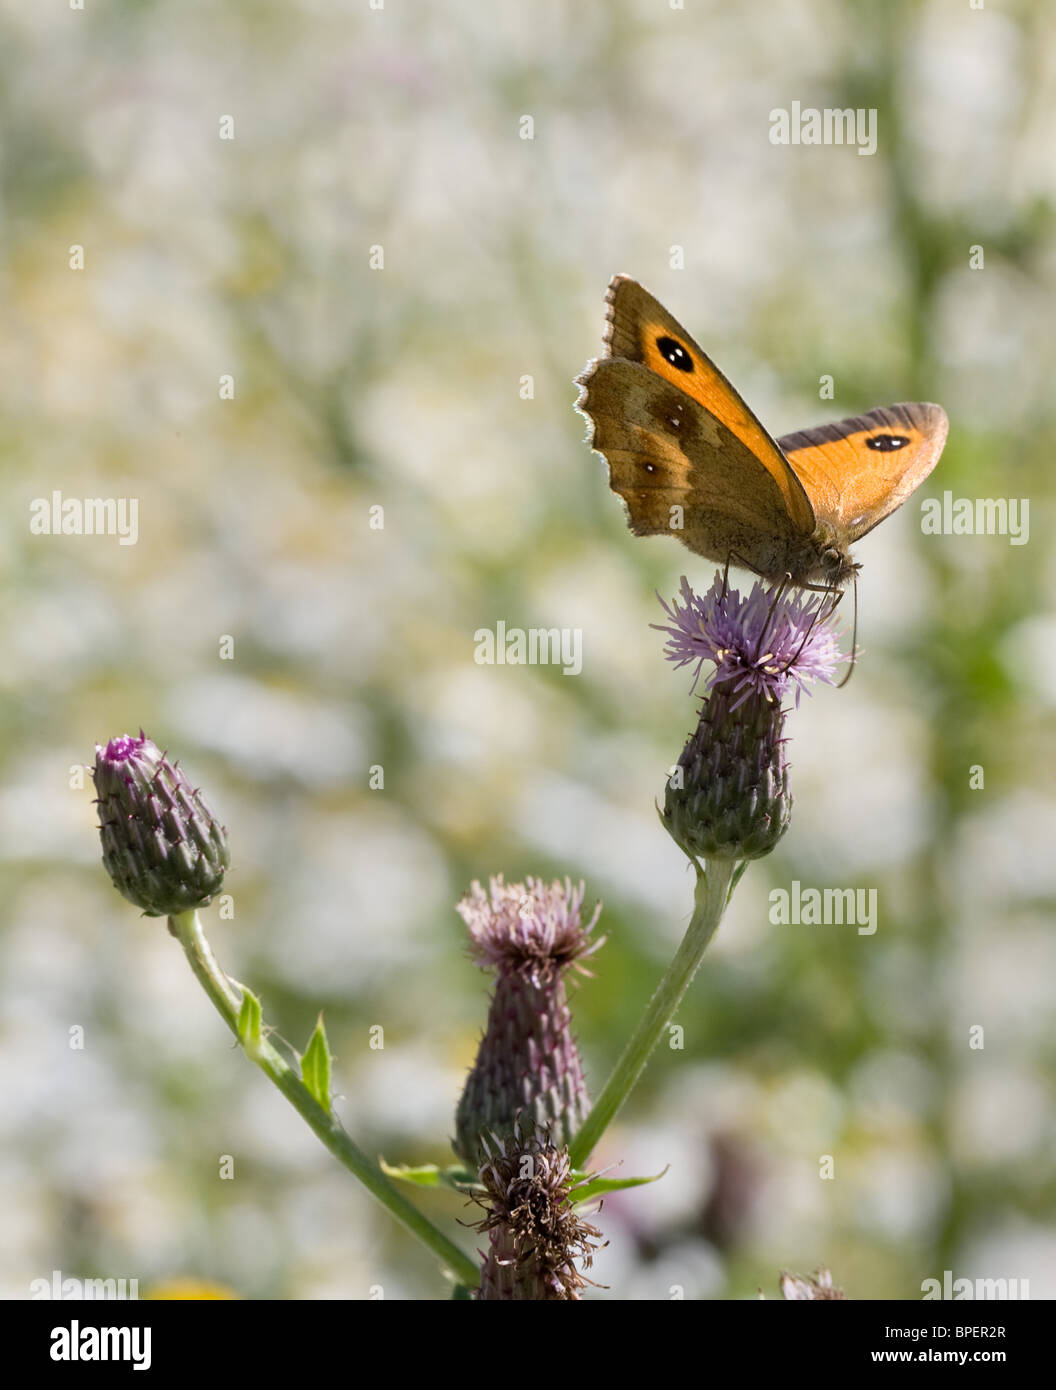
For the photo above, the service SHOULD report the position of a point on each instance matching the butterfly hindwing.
(859, 470)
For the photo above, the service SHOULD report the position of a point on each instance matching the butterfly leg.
(779, 590)
(732, 557)
(726, 578)
(823, 614)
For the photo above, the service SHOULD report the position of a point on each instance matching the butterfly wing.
(640, 329)
(676, 434)
(681, 472)
(859, 470)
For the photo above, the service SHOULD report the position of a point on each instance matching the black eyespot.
(675, 353)
(886, 443)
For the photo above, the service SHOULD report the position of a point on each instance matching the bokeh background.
(400, 387)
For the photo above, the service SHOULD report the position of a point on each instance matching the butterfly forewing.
(681, 472)
(640, 329)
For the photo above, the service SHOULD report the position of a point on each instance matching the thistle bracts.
(728, 797)
(527, 1066)
(162, 847)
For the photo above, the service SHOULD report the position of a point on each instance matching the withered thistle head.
(527, 1064)
(538, 1245)
(795, 1287)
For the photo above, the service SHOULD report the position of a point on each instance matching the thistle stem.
(228, 1000)
(710, 899)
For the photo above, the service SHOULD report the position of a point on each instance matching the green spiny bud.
(728, 797)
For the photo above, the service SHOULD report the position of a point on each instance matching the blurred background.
(401, 387)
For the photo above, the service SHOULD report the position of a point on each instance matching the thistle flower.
(162, 847)
(729, 797)
(527, 1064)
(535, 1235)
(760, 646)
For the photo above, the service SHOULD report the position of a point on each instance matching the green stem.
(228, 1000)
(710, 899)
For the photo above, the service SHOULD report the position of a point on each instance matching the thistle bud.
(527, 1065)
(729, 797)
(162, 847)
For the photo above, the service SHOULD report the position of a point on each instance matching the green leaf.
(429, 1175)
(249, 1020)
(315, 1065)
(598, 1186)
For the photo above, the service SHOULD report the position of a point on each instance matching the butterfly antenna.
(726, 578)
(854, 635)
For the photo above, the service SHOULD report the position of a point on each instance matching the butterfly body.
(690, 459)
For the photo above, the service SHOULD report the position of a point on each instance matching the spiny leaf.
(249, 1020)
(598, 1186)
(429, 1175)
(315, 1065)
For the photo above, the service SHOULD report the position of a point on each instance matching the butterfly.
(690, 459)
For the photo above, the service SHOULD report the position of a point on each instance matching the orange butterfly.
(690, 459)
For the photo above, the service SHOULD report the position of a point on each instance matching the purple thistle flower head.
(527, 1068)
(533, 928)
(728, 797)
(118, 750)
(760, 644)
